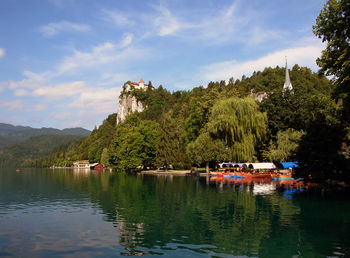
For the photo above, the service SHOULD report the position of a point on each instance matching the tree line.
(223, 122)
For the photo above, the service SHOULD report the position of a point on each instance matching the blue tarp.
(292, 164)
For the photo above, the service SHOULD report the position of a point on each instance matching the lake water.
(46, 213)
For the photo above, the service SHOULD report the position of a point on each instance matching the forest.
(216, 123)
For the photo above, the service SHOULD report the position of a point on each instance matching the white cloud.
(60, 91)
(168, 24)
(32, 81)
(101, 101)
(303, 55)
(12, 105)
(54, 28)
(236, 22)
(117, 18)
(100, 54)
(105, 53)
(2, 52)
(127, 40)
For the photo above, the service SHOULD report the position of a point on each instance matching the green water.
(46, 213)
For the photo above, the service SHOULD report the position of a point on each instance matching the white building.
(287, 84)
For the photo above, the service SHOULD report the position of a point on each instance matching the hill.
(24, 153)
(182, 115)
(10, 134)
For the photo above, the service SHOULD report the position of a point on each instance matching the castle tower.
(142, 84)
(287, 84)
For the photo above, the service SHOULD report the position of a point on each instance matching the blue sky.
(63, 62)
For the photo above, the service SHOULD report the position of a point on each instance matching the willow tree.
(239, 123)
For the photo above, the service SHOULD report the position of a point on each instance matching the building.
(84, 164)
(287, 84)
(136, 85)
(97, 166)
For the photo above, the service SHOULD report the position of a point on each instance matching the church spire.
(287, 84)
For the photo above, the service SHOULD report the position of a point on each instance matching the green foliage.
(105, 157)
(285, 147)
(184, 118)
(134, 144)
(169, 148)
(239, 124)
(10, 134)
(332, 26)
(205, 149)
(23, 154)
(89, 148)
(320, 153)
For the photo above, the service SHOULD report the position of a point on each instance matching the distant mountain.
(24, 153)
(10, 134)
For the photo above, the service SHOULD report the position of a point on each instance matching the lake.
(90, 214)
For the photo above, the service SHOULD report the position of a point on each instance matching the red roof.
(134, 83)
(141, 81)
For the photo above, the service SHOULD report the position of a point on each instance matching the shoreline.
(163, 173)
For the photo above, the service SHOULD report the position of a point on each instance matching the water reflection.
(66, 212)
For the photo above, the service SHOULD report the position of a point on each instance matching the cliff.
(128, 102)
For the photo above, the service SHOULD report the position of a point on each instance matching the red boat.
(255, 175)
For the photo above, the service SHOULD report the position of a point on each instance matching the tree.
(105, 157)
(239, 124)
(285, 147)
(332, 26)
(206, 149)
(320, 153)
(134, 144)
(169, 144)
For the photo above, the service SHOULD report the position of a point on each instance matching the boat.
(282, 177)
(254, 175)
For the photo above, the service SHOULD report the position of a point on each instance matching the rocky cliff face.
(128, 104)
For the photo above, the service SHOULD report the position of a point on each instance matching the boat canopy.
(292, 164)
(230, 165)
(262, 165)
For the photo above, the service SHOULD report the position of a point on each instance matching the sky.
(63, 62)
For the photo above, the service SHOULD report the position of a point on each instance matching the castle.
(128, 103)
(140, 85)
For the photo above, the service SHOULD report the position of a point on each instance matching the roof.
(141, 81)
(287, 84)
(262, 165)
(292, 164)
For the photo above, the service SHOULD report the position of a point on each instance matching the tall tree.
(320, 151)
(105, 157)
(332, 26)
(134, 144)
(169, 144)
(239, 124)
(205, 149)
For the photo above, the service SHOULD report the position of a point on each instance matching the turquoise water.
(89, 214)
